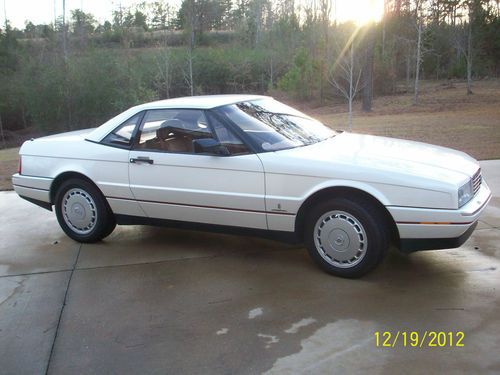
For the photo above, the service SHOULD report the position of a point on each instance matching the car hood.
(378, 159)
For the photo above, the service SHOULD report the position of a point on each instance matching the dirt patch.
(445, 116)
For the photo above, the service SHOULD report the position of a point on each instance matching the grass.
(9, 159)
(445, 116)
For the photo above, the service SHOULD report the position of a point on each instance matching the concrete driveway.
(156, 300)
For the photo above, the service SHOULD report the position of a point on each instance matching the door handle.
(142, 159)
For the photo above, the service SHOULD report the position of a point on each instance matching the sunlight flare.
(359, 11)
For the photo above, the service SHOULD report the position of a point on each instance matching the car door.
(171, 181)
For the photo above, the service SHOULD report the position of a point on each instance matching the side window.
(122, 135)
(227, 138)
(173, 130)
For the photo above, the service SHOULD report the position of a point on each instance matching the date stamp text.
(416, 339)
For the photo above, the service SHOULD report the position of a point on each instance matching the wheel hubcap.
(340, 239)
(79, 211)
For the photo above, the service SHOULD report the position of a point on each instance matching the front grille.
(476, 181)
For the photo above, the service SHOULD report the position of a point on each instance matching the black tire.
(83, 201)
(346, 238)
(110, 226)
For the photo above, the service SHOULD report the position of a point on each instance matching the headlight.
(465, 193)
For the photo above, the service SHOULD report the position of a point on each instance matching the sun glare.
(360, 11)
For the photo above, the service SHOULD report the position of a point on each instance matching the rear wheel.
(346, 238)
(82, 211)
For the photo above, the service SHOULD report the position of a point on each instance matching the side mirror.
(209, 146)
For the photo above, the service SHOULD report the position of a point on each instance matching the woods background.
(76, 73)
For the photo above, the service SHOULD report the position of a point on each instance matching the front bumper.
(409, 245)
(426, 229)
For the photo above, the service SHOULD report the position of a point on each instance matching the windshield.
(275, 126)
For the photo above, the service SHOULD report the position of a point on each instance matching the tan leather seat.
(172, 139)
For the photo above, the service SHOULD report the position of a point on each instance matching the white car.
(252, 162)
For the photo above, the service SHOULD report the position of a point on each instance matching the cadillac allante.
(246, 161)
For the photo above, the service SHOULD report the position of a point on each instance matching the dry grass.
(445, 116)
(8, 166)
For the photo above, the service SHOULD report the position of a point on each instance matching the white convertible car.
(246, 161)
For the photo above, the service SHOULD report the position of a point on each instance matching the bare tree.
(408, 46)
(463, 41)
(67, 86)
(65, 32)
(325, 12)
(468, 56)
(345, 76)
(384, 22)
(1, 132)
(368, 68)
(420, 9)
(188, 77)
(162, 17)
(163, 63)
(258, 20)
(418, 60)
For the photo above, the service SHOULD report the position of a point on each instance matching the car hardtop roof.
(187, 102)
(202, 101)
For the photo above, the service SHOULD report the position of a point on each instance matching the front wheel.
(346, 238)
(82, 211)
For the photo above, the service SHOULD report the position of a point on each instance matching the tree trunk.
(191, 47)
(438, 64)
(166, 62)
(408, 70)
(1, 132)
(271, 77)
(325, 23)
(368, 72)
(323, 65)
(417, 63)
(350, 115)
(65, 56)
(321, 81)
(191, 83)
(65, 33)
(23, 114)
(68, 107)
(351, 83)
(325, 56)
(258, 20)
(469, 58)
(383, 38)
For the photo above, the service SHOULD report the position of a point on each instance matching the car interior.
(175, 134)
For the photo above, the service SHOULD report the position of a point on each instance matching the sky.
(43, 11)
